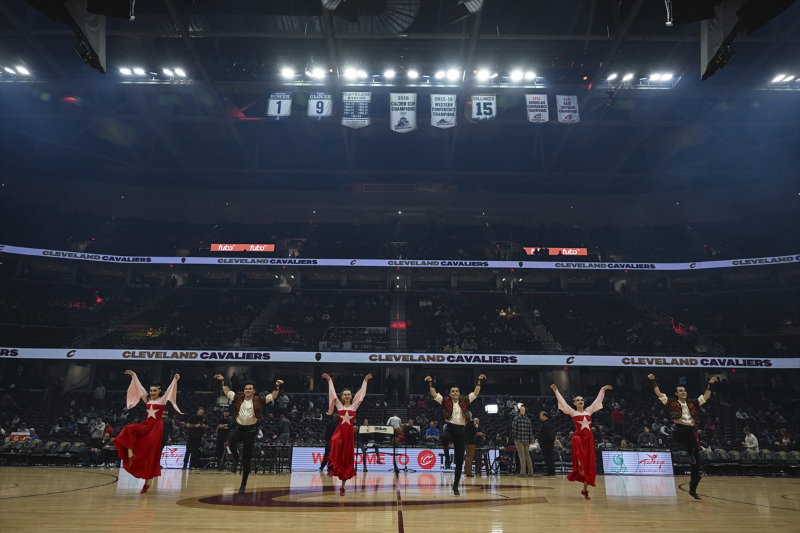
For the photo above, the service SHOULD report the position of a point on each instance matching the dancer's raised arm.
(433, 392)
(333, 398)
(172, 393)
(225, 389)
(562, 404)
(598, 402)
(136, 392)
(361, 394)
(478, 386)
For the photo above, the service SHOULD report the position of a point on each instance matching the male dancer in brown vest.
(246, 413)
(455, 406)
(683, 412)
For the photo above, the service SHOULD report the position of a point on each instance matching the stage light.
(453, 74)
(439, 75)
(23, 71)
(483, 75)
(516, 75)
(362, 74)
(627, 77)
(125, 71)
(309, 74)
(612, 77)
(318, 73)
(350, 73)
(413, 74)
(788, 78)
(180, 73)
(530, 75)
(167, 71)
(287, 73)
(138, 71)
(778, 78)
(389, 74)
(655, 77)
(666, 77)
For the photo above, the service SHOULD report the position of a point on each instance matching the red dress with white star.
(341, 459)
(584, 466)
(145, 438)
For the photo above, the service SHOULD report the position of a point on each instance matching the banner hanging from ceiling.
(320, 106)
(355, 109)
(403, 112)
(536, 105)
(568, 111)
(279, 106)
(484, 107)
(443, 110)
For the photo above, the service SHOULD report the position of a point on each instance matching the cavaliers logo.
(318, 356)
(426, 459)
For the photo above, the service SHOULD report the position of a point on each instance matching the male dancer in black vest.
(683, 412)
(455, 406)
(246, 413)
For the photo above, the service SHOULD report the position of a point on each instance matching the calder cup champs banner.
(355, 109)
(279, 106)
(536, 105)
(484, 107)
(443, 110)
(320, 106)
(568, 112)
(403, 112)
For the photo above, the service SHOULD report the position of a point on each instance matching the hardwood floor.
(105, 499)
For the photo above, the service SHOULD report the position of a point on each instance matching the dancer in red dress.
(584, 468)
(139, 445)
(342, 456)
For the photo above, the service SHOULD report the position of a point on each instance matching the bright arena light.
(413, 74)
(362, 74)
(287, 73)
(530, 75)
(350, 73)
(483, 75)
(788, 78)
(389, 74)
(778, 78)
(138, 71)
(167, 71)
(516, 75)
(666, 77)
(318, 73)
(627, 77)
(612, 77)
(439, 75)
(453, 74)
(655, 77)
(180, 73)
(125, 71)
(23, 71)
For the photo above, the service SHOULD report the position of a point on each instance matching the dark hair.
(248, 382)
(157, 384)
(453, 387)
(747, 429)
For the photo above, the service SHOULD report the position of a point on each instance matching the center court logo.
(426, 459)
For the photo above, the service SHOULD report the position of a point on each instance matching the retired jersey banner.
(568, 111)
(443, 110)
(484, 107)
(355, 109)
(320, 106)
(403, 112)
(536, 104)
(279, 106)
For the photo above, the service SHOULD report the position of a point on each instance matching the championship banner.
(568, 111)
(394, 263)
(484, 107)
(320, 106)
(536, 104)
(443, 110)
(355, 109)
(279, 106)
(388, 359)
(403, 112)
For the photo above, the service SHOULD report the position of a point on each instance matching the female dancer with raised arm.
(342, 455)
(139, 445)
(584, 467)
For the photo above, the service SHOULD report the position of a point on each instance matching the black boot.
(693, 487)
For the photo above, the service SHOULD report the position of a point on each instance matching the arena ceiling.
(208, 129)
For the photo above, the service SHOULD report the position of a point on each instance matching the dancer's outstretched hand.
(176, 377)
(650, 376)
(130, 372)
(608, 387)
(482, 377)
(219, 377)
(368, 377)
(554, 386)
(279, 382)
(429, 379)
(326, 376)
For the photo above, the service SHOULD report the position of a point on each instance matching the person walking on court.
(547, 438)
(584, 468)
(522, 434)
(684, 414)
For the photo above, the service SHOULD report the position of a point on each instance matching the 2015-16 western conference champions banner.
(403, 112)
(443, 110)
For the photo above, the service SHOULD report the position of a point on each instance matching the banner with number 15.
(484, 107)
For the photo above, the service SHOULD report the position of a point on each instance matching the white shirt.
(247, 416)
(394, 422)
(458, 417)
(686, 416)
(751, 442)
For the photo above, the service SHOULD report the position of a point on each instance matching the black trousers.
(549, 461)
(192, 456)
(455, 434)
(687, 436)
(325, 457)
(247, 436)
(219, 451)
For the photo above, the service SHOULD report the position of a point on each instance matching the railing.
(264, 316)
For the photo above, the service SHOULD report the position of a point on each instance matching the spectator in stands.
(741, 415)
(34, 435)
(750, 443)
(786, 440)
(97, 433)
(601, 342)
(618, 420)
(623, 445)
(605, 445)
(432, 435)
(72, 428)
(196, 428)
(410, 433)
(285, 428)
(109, 430)
(317, 415)
(647, 439)
(6, 402)
(557, 447)
(100, 392)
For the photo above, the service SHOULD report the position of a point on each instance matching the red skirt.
(341, 459)
(583, 450)
(145, 441)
